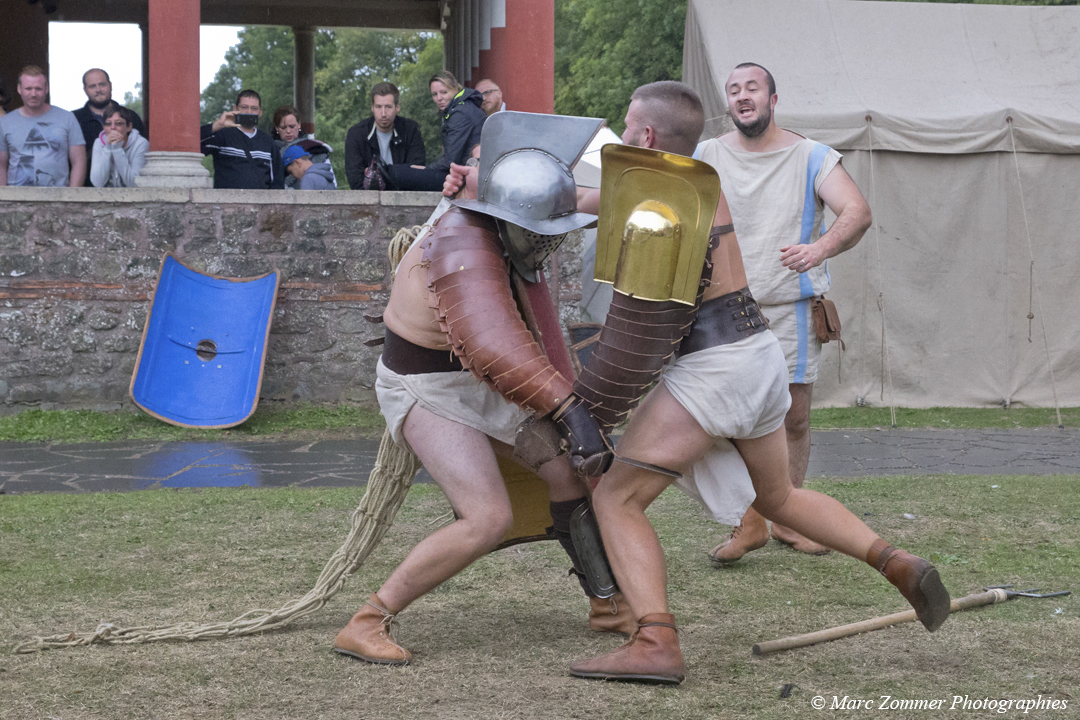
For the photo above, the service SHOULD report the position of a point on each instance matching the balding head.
(666, 116)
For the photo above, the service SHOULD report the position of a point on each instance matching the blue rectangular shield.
(203, 349)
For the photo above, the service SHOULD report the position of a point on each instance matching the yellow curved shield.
(656, 211)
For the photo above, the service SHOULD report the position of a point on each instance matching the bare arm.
(226, 119)
(588, 200)
(77, 157)
(3, 168)
(840, 193)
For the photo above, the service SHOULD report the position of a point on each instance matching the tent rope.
(388, 484)
(1033, 286)
(885, 361)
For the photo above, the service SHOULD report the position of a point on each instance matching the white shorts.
(793, 325)
(456, 396)
(735, 391)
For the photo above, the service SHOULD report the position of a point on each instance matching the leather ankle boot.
(612, 615)
(652, 655)
(745, 537)
(916, 579)
(370, 636)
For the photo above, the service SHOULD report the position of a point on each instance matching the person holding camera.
(245, 158)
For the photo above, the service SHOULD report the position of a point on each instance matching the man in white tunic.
(777, 184)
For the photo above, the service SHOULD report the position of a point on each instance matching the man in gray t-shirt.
(40, 145)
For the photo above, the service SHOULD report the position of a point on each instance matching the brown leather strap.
(407, 358)
(884, 553)
(718, 230)
(658, 624)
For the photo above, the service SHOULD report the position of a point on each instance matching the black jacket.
(91, 127)
(362, 144)
(241, 162)
(461, 127)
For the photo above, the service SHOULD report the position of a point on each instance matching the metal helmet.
(525, 182)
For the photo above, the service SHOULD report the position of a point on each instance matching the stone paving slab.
(140, 465)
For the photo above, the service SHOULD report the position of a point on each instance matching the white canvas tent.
(961, 125)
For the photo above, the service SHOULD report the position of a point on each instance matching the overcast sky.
(74, 48)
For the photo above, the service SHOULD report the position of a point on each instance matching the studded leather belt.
(723, 320)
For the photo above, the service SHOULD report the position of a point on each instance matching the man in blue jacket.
(245, 158)
(395, 140)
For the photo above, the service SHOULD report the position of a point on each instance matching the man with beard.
(98, 89)
(766, 173)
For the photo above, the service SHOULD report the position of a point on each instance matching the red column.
(174, 75)
(521, 60)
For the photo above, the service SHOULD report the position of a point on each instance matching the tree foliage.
(134, 101)
(348, 63)
(604, 49)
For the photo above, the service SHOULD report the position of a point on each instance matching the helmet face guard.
(527, 250)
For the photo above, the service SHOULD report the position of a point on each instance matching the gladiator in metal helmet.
(526, 184)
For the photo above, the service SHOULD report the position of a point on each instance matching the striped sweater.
(241, 162)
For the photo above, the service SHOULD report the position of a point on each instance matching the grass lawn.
(298, 420)
(943, 418)
(495, 642)
(295, 420)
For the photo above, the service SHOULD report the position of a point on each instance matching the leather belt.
(408, 358)
(723, 320)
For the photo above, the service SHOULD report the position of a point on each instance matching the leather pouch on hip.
(826, 320)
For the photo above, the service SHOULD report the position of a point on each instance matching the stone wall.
(78, 268)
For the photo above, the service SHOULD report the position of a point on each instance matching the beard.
(100, 105)
(756, 128)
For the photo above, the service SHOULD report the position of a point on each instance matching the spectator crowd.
(104, 144)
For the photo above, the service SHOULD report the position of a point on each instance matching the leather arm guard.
(469, 280)
(470, 291)
(637, 340)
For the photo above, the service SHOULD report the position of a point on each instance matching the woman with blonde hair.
(462, 120)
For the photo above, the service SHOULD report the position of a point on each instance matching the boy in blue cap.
(312, 176)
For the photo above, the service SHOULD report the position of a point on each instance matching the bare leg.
(825, 520)
(815, 515)
(797, 429)
(661, 432)
(462, 462)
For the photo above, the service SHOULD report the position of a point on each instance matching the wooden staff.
(989, 597)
